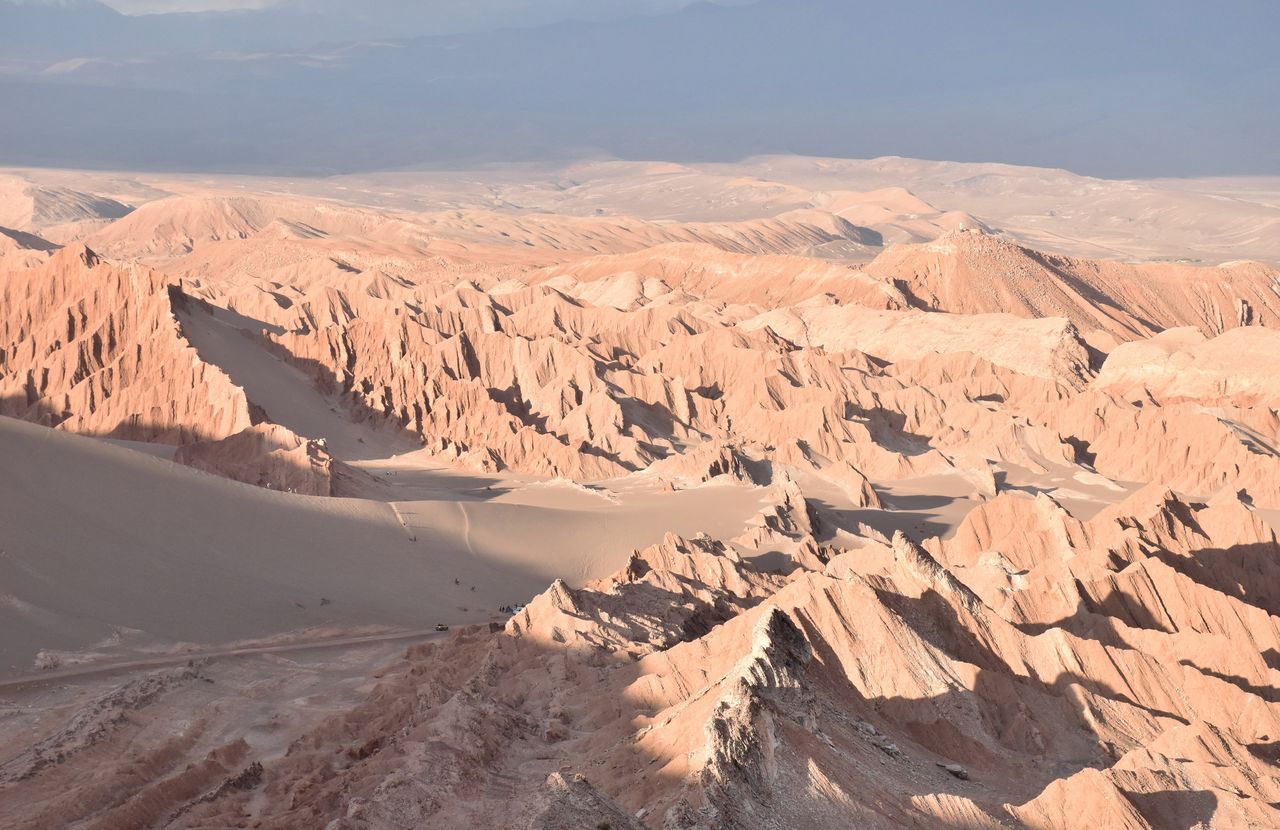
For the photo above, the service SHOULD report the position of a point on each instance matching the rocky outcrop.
(972, 272)
(573, 803)
(93, 347)
(740, 773)
(692, 365)
(1235, 368)
(271, 456)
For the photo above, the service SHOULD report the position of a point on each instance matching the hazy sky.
(1122, 88)
(162, 6)
(559, 8)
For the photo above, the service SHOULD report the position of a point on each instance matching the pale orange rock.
(971, 272)
(820, 530)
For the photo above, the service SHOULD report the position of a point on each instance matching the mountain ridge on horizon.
(238, 93)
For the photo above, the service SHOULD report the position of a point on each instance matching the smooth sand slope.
(104, 543)
(110, 551)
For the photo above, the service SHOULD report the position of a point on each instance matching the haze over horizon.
(314, 87)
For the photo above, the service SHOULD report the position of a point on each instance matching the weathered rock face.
(741, 770)
(268, 455)
(971, 272)
(93, 347)
(572, 802)
(532, 379)
(1234, 369)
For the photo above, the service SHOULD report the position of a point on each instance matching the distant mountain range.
(1154, 88)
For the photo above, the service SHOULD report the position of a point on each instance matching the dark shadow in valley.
(1175, 809)
(1249, 573)
(1003, 486)
(918, 524)
(887, 429)
(1270, 694)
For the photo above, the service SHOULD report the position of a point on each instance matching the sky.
(170, 6)
(1116, 88)
(560, 9)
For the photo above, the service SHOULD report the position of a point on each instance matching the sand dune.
(194, 561)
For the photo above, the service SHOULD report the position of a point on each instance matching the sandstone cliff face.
(531, 379)
(93, 347)
(594, 370)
